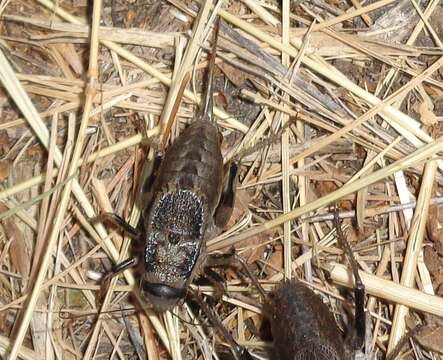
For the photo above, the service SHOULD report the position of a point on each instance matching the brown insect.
(302, 325)
(187, 201)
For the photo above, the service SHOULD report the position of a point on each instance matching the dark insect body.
(302, 326)
(180, 218)
(185, 202)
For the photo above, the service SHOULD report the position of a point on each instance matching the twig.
(389, 290)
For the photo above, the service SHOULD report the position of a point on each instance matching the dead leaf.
(323, 188)
(234, 75)
(432, 261)
(72, 58)
(275, 261)
(427, 115)
(5, 143)
(433, 229)
(242, 200)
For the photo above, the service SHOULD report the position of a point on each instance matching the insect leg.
(117, 269)
(217, 282)
(359, 290)
(119, 222)
(234, 260)
(148, 176)
(226, 203)
(360, 319)
(239, 352)
(124, 265)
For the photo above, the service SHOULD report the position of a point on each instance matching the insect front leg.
(120, 223)
(227, 198)
(116, 270)
(124, 265)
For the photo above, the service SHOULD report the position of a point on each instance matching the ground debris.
(292, 96)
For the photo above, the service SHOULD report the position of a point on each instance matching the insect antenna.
(268, 141)
(359, 290)
(66, 315)
(207, 103)
(251, 276)
(239, 352)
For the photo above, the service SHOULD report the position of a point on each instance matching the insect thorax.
(175, 235)
(180, 212)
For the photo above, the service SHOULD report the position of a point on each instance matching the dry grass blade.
(24, 352)
(417, 157)
(125, 36)
(415, 242)
(182, 75)
(132, 141)
(407, 126)
(285, 152)
(145, 66)
(44, 263)
(35, 200)
(390, 291)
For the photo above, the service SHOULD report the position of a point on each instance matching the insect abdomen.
(302, 325)
(194, 162)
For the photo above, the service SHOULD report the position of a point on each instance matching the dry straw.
(309, 156)
(414, 248)
(389, 290)
(46, 257)
(143, 65)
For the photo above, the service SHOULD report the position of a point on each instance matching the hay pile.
(326, 103)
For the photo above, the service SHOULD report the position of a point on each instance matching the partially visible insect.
(302, 325)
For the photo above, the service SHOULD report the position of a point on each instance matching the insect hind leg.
(226, 203)
(357, 339)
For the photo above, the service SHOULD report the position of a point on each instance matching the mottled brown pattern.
(181, 206)
(302, 325)
(184, 199)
